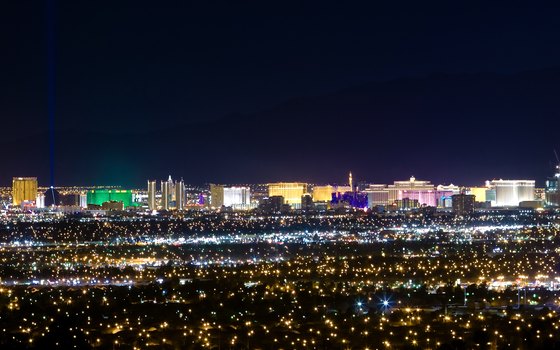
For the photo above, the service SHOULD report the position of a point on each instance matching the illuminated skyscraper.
(83, 200)
(40, 202)
(510, 192)
(237, 197)
(100, 196)
(234, 197)
(216, 196)
(323, 193)
(350, 181)
(166, 193)
(172, 195)
(552, 191)
(24, 189)
(180, 195)
(423, 191)
(152, 195)
(378, 195)
(291, 191)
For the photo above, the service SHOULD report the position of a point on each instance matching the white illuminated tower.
(152, 195)
(510, 192)
(180, 195)
(350, 181)
(166, 193)
(237, 197)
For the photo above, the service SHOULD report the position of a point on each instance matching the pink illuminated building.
(423, 191)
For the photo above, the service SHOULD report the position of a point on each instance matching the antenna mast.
(557, 164)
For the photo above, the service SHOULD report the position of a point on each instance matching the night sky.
(258, 91)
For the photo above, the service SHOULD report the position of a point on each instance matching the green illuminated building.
(98, 197)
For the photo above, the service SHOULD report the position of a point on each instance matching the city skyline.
(340, 182)
(171, 195)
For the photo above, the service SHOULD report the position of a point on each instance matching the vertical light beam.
(51, 83)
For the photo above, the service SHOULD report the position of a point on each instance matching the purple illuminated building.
(352, 199)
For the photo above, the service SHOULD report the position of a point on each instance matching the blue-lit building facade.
(552, 190)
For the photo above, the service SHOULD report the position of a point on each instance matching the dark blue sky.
(136, 66)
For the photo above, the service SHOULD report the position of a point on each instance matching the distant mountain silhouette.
(445, 128)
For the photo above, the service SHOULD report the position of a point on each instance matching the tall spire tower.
(557, 174)
(350, 181)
